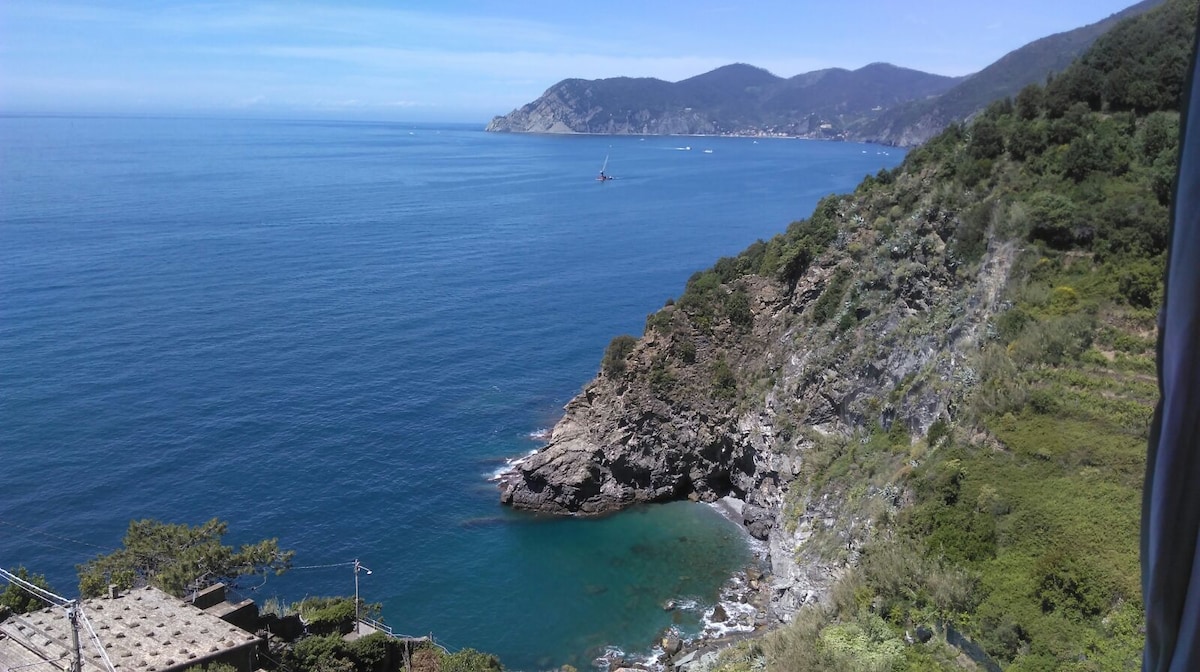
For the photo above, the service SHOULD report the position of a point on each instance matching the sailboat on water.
(603, 176)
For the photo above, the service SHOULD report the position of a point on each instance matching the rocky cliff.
(730, 391)
(931, 397)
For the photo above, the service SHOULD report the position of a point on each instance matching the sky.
(469, 60)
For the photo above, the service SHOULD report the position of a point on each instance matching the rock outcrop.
(715, 402)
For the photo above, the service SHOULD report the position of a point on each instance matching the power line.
(54, 536)
(36, 591)
(336, 564)
(95, 639)
(42, 542)
(74, 613)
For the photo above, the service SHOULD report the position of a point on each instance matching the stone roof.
(145, 630)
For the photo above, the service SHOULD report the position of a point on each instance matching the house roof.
(145, 630)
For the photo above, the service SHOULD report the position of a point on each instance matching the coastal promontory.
(930, 398)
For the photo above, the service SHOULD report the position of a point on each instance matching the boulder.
(758, 521)
(672, 645)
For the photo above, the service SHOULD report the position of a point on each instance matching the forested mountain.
(931, 397)
(876, 103)
(735, 98)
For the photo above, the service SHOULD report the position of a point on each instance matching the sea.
(336, 333)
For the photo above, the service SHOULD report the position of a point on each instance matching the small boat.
(603, 176)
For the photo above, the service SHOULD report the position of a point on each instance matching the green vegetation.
(618, 350)
(16, 600)
(333, 614)
(1021, 529)
(469, 660)
(177, 558)
(830, 302)
(919, 119)
(723, 381)
(331, 653)
(324, 649)
(735, 98)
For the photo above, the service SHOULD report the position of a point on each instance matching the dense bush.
(15, 599)
(470, 660)
(830, 301)
(618, 349)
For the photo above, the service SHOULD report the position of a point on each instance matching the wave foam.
(740, 618)
(510, 465)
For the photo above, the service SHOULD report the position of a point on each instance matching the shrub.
(737, 307)
(614, 356)
(939, 430)
(986, 140)
(685, 349)
(1140, 284)
(371, 653)
(328, 653)
(723, 380)
(16, 599)
(1066, 583)
(470, 660)
(1053, 217)
(327, 613)
(830, 301)
(660, 321)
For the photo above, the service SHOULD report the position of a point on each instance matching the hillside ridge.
(931, 397)
(879, 102)
(736, 99)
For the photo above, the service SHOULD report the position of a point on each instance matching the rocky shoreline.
(740, 613)
(742, 397)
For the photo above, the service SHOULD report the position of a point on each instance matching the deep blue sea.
(334, 333)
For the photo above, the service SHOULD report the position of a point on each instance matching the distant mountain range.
(879, 102)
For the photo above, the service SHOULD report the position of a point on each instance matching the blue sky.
(465, 61)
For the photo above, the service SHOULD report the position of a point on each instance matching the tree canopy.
(178, 557)
(18, 600)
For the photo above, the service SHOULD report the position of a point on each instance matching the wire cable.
(36, 591)
(54, 536)
(95, 639)
(336, 564)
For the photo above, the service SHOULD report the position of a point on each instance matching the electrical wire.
(336, 564)
(36, 591)
(95, 639)
(54, 536)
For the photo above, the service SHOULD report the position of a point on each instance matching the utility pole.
(357, 566)
(73, 616)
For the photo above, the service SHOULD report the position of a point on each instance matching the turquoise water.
(334, 333)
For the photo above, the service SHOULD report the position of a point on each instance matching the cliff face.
(729, 391)
(933, 393)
